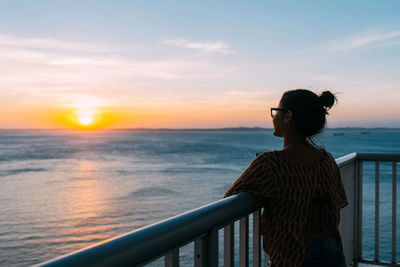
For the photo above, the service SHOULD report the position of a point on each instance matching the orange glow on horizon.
(85, 119)
(158, 117)
(90, 115)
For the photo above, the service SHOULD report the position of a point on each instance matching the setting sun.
(86, 112)
(85, 120)
(85, 117)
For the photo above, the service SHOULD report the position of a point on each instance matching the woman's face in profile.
(277, 121)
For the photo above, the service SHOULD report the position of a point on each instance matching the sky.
(194, 64)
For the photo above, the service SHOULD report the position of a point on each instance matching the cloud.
(216, 47)
(34, 69)
(52, 44)
(363, 39)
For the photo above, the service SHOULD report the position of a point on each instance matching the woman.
(300, 186)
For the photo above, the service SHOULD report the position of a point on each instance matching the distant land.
(203, 129)
(245, 129)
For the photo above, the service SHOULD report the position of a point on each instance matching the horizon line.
(185, 129)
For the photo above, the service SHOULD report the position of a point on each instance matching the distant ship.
(338, 134)
(365, 132)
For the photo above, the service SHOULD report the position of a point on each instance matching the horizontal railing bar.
(379, 263)
(346, 160)
(378, 157)
(350, 158)
(155, 240)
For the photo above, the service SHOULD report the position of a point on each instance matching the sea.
(61, 191)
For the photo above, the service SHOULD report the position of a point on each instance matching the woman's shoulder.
(285, 158)
(316, 156)
(268, 155)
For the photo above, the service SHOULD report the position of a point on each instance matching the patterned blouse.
(288, 191)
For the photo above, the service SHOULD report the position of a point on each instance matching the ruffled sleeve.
(256, 180)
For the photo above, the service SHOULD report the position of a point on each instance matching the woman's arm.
(256, 180)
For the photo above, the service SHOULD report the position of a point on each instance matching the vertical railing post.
(229, 245)
(358, 212)
(394, 208)
(212, 248)
(206, 250)
(200, 252)
(172, 258)
(376, 210)
(244, 241)
(256, 239)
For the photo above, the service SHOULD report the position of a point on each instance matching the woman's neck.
(291, 140)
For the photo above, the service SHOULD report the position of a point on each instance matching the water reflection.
(62, 191)
(85, 207)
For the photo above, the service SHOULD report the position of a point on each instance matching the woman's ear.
(288, 116)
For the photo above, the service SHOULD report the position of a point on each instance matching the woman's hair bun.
(327, 99)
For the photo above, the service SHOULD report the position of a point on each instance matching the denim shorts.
(325, 253)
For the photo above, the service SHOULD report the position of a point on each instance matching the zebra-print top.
(287, 190)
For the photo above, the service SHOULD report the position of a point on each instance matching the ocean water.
(61, 191)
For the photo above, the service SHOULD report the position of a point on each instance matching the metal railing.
(351, 167)
(165, 238)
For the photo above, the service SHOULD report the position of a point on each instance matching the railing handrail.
(150, 242)
(350, 158)
(378, 157)
(155, 240)
(352, 165)
(346, 160)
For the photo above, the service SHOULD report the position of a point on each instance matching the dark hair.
(309, 110)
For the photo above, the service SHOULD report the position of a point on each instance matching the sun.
(85, 119)
(87, 113)
(85, 116)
